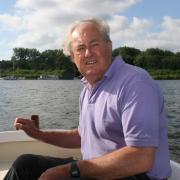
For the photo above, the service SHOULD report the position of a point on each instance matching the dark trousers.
(30, 167)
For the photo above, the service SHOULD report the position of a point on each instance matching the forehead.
(85, 33)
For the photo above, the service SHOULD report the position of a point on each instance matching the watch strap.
(74, 171)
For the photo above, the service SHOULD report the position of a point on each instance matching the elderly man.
(122, 126)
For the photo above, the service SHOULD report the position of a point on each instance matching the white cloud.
(42, 24)
(78, 5)
(125, 32)
(38, 40)
(140, 24)
(9, 22)
(139, 33)
(46, 21)
(171, 29)
(36, 4)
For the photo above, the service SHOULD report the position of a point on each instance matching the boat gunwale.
(21, 136)
(17, 136)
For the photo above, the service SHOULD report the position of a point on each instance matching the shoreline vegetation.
(53, 64)
(164, 74)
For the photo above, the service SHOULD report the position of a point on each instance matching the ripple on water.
(57, 104)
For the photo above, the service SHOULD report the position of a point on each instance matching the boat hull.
(15, 143)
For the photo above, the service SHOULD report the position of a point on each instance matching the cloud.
(169, 36)
(126, 32)
(85, 6)
(39, 40)
(45, 22)
(139, 33)
(42, 24)
(9, 22)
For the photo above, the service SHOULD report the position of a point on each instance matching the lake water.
(56, 102)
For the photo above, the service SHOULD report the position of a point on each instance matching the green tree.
(127, 53)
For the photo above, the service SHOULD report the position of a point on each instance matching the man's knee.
(25, 161)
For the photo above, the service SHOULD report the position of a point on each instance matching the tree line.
(161, 64)
(31, 63)
(152, 58)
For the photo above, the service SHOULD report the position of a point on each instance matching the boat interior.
(15, 143)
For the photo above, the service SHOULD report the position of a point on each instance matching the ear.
(110, 45)
(72, 57)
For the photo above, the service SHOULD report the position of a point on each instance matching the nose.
(88, 52)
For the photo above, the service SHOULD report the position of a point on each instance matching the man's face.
(91, 53)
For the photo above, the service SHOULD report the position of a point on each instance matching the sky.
(42, 24)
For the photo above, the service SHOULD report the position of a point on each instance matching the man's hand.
(56, 173)
(26, 125)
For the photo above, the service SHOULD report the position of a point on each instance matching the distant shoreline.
(158, 74)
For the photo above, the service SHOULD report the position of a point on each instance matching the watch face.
(75, 172)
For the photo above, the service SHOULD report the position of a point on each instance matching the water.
(56, 102)
(171, 90)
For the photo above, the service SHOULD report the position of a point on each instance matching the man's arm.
(63, 138)
(121, 163)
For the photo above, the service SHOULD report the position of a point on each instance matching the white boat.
(48, 77)
(10, 78)
(15, 143)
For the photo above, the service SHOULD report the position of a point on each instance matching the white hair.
(101, 25)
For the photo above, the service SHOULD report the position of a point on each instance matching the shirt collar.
(116, 63)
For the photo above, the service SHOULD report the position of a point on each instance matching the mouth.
(90, 62)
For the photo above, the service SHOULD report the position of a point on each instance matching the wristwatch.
(74, 171)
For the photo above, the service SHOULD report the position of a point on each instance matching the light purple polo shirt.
(126, 108)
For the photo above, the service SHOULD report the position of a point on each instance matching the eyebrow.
(80, 45)
(95, 40)
(92, 41)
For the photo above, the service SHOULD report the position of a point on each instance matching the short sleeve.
(140, 115)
